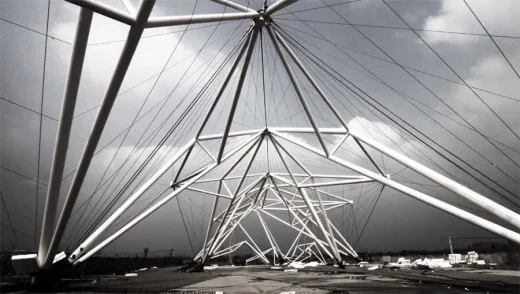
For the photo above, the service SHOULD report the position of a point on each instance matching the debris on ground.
(210, 267)
(373, 268)
(299, 264)
(191, 267)
(131, 275)
(434, 263)
(401, 263)
(296, 264)
(313, 264)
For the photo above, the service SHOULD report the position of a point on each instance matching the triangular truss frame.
(268, 191)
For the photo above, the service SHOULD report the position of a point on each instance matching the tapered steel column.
(134, 35)
(63, 136)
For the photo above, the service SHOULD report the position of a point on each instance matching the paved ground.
(316, 280)
(158, 280)
(248, 284)
(505, 273)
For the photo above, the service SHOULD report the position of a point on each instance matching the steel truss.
(297, 194)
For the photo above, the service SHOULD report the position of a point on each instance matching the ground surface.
(313, 280)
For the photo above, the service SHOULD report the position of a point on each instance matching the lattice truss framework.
(298, 193)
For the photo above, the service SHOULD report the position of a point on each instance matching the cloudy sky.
(415, 58)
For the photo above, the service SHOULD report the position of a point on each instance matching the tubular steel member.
(205, 251)
(309, 77)
(136, 220)
(210, 222)
(222, 225)
(234, 5)
(241, 215)
(260, 254)
(333, 241)
(276, 249)
(277, 6)
(311, 208)
(484, 202)
(212, 240)
(49, 240)
(327, 225)
(105, 10)
(320, 225)
(130, 200)
(133, 38)
(305, 230)
(243, 73)
(457, 212)
(174, 20)
(297, 89)
(223, 88)
(134, 197)
(129, 49)
(165, 21)
(63, 136)
(77, 256)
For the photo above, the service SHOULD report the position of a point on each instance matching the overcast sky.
(420, 89)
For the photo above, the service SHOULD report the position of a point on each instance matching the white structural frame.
(302, 209)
